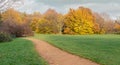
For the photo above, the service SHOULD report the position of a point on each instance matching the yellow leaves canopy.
(12, 15)
(81, 21)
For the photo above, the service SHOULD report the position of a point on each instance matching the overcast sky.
(111, 7)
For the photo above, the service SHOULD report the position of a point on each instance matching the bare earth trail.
(55, 56)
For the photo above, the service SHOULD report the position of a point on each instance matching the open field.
(19, 52)
(103, 49)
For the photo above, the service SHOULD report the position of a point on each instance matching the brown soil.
(55, 56)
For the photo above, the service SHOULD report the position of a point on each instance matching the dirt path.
(55, 56)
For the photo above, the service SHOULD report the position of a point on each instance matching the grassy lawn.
(19, 52)
(103, 49)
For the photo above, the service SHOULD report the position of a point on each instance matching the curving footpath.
(55, 56)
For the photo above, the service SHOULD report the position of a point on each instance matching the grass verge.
(19, 52)
(103, 49)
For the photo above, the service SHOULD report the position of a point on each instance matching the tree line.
(77, 21)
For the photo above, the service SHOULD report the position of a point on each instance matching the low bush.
(5, 37)
(16, 30)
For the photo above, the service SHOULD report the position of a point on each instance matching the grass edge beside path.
(20, 52)
(104, 50)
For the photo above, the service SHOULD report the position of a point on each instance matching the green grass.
(103, 49)
(19, 52)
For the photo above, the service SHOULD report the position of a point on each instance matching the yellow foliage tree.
(12, 15)
(34, 23)
(43, 26)
(80, 21)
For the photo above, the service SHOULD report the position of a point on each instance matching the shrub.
(23, 31)
(118, 32)
(4, 37)
(16, 30)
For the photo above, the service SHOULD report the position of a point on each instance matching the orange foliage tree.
(14, 24)
(117, 26)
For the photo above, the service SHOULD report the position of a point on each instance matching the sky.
(111, 7)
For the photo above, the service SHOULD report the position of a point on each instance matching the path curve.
(55, 56)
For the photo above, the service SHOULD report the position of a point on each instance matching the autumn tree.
(80, 21)
(11, 19)
(43, 26)
(12, 15)
(108, 23)
(117, 26)
(35, 18)
(50, 22)
(60, 24)
(13, 23)
(34, 23)
(100, 21)
(37, 15)
(52, 16)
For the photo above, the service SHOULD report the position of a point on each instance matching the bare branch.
(6, 4)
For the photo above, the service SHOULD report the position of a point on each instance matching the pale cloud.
(111, 7)
(31, 6)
